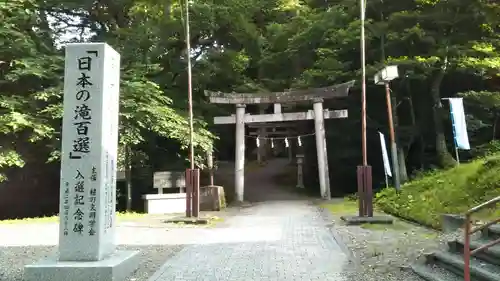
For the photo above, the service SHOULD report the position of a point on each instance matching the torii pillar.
(319, 126)
(315, 95)
(239, 169)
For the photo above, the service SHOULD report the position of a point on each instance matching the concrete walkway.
(276, 240)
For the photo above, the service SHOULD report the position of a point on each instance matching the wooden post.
(189, 189)
(195, 183)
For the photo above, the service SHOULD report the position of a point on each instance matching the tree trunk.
(495, 122)
(403, 174)
(443, 157)
(417, 130)
(128, 176)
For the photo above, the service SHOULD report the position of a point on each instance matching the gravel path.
(22, 244)
(280, 237)
(279, 241)
(380, 252)
(13, 259)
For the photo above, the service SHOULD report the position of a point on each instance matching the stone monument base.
(116, 267)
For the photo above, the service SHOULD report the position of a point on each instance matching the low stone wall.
(211, 199)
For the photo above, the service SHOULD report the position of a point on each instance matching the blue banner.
(459, 123)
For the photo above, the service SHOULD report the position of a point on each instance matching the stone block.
(116, 267)
(165, 203)
(212, 198)
(452, 222)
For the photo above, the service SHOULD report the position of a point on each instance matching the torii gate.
(316, 96)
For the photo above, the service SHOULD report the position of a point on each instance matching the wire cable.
(280, 138)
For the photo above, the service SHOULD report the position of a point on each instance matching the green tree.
(438, 38)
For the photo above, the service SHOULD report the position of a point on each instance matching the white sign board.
(169, 180)
(89, 152)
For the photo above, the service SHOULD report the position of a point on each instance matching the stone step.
(454, 262)
(492, 232)
(490, 255)
(431, 272)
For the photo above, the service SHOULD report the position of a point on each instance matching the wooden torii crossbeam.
(302, 95)
(318, 114)
(281, 117)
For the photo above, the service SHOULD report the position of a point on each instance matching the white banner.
(385, 157)
(459, 123)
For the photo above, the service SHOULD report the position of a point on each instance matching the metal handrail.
(469, 231)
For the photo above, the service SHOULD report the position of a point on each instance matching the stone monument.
(300, 171)
(88, 172)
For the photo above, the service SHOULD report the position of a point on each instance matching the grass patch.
(452, 191)
(341, 207)
(52, 219)
(397, 226)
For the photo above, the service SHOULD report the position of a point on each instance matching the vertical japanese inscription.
(93, 202)
(66, 209)
(81, 147)
(112, 193)
(79, 203)
(83, 113)
(107, 210)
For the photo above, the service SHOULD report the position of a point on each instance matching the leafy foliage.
(454, 191)
(443, 49)
(29, 76)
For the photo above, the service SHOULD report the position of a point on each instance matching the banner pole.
(456, 155)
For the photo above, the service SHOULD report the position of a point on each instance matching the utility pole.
(383, 77)
(364, 172)
(363, 85)
(190, 88)
(192, 174)
(394, 148)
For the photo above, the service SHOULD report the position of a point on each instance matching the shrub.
(454, 191)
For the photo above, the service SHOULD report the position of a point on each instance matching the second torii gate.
(318, 114)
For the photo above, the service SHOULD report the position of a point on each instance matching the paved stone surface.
(276, 240)
(303, 249)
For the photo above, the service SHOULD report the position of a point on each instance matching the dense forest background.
(444, 48)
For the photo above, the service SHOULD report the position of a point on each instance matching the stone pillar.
(239, 163)
(290, 148)
(300, 170)
(319, 126)
(259, 154)
(277, 108)
(327, 171)
(88, 172)
(210, 165)
(261, 150)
